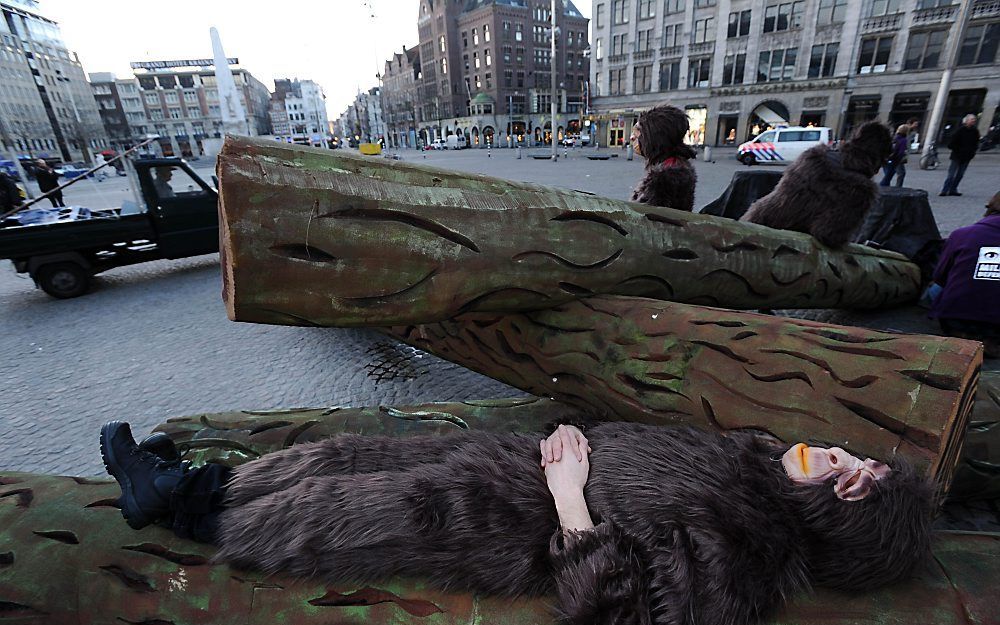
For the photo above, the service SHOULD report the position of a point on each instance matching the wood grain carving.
(875, 393)
(314, 237)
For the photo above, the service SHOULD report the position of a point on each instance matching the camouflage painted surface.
(67, 557)
(232, 438)
(319, 237)
(978, 473)
(875, 393)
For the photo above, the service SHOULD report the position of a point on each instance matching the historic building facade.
(741, 66)
(298, 112)
(181, 101)
(46, 105)
(485, 70)
(400, 98)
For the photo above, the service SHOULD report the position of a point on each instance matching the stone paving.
(152, 341)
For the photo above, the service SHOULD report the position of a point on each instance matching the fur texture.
(669, 179)
(692, 527)
(827, 193)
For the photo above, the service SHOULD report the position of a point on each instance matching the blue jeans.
(888, 171)
(955, 172)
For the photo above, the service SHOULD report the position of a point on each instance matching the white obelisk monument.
(234, 118)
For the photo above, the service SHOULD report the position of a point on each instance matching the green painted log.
(875, 393)
(978, 473)
(319, 237)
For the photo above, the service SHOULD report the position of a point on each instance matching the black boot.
(146, 481)
(161, 445)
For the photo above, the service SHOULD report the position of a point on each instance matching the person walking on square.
(48, 180)
(963, 145)
(896, 163)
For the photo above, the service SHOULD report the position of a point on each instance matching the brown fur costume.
(692, 527)
(825, 192)
(669, 179)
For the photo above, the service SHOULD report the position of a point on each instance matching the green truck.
(174, 214)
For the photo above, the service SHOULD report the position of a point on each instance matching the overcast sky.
(341, 44)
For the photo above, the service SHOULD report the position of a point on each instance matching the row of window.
(924, 49)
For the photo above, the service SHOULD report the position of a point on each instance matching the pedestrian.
(895, 165)
(969, 274)
(963, 145)
(10, 194)
(101, 163)
(48, 179)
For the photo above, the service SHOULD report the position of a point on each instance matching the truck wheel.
(63, 280)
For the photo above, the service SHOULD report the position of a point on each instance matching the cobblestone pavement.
(152, 341)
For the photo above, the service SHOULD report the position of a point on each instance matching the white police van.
(782, 145)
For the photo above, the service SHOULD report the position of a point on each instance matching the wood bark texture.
(874, 393)
(978, 474)
(317, 237)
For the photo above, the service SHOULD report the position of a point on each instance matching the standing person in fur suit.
(632, 524)
(669, 180)
(827, 192)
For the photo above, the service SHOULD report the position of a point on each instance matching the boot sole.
(127, 500)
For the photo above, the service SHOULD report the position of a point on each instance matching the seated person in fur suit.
(632, 524)
(827, 192)
(669, 180)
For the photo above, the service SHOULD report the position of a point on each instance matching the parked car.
(456, 142)
(584, 140)
(782, 145)
(438, 144)
(568, 141)
(72, 170)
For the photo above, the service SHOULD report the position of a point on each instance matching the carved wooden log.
(66, 556)
(315, 237)
(978, 472)
(875, 393)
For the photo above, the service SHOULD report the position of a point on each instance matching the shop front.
(766, 116)
(697, 115)
(860, 109)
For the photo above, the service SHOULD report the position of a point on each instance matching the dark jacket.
(964, 295)
(898, 149)
(963, 143)
(692, 527)
(10, 195)
(669, 183)
(47, 179)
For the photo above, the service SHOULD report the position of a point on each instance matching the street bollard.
(518, 152)
(630, 151)
(707, 157)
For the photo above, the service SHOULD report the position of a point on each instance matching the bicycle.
(930, 160)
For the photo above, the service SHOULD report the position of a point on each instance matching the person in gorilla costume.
(669, 179)
(630, 524)
(827, 192)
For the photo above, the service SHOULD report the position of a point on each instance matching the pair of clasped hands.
(565, 460)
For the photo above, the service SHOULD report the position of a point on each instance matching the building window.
(882, 7)
(489, 58)
(599, 48)
(465, 39)
(479, 83)
(619, 44)
(670, 74)
(923, 50)
(508, 78)
(520, 78)
(674, 6)
(733, 69)
(645, 41)
(171, 97)
(616, 82)
(642, 79)
(489, 80)
(520, 54)
(703, 3)
(823, 60)
(739, 24)
(699, 72)
(704, 30)
(979, 44)
(175, 113)
(444, 66)
(599, 16)
(779, 17)
(619, 12)
(776, 65)
(475, 36)
(486, 32)
(441, 44)
(647, 9)
(190, 96)
(874, 55)
(475, 59)
(673, 35)
(933, 4)
(518, 34)
(506, 54)
(831, 12)
(506, 31)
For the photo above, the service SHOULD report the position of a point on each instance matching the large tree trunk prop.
(232, 438)
(978, 472)
(875, 393)
(66, 556)
(314, 237)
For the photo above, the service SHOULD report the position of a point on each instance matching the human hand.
(552, 447)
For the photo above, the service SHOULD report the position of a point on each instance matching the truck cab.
(174, 214)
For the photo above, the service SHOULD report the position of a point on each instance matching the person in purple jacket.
(969, 274)
(896, 163)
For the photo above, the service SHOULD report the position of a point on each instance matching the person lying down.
(626, 524)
